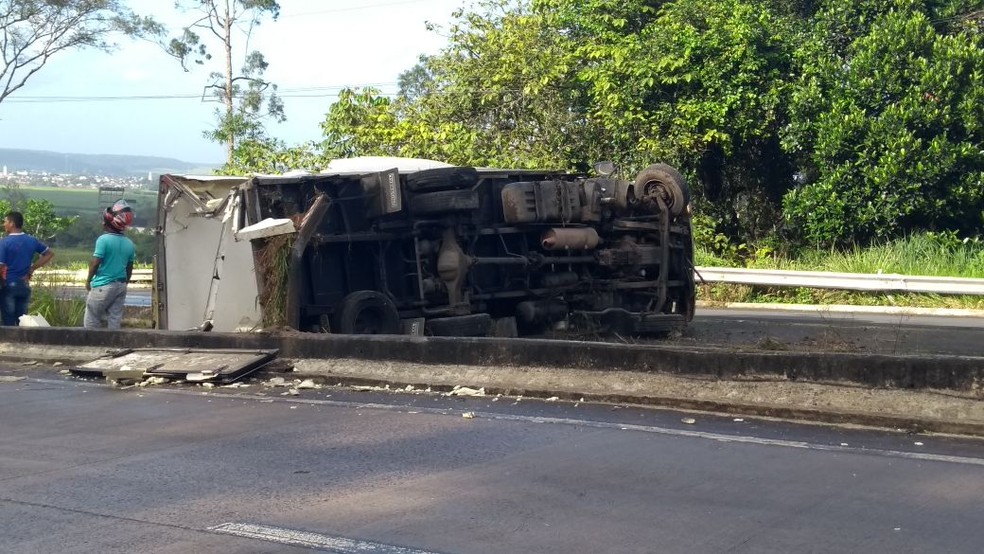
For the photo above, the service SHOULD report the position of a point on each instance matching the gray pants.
(105, 302)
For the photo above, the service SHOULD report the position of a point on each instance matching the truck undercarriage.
(464, 252)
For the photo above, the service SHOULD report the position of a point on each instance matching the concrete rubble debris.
(291, 392)
(150, 381)
(11, 378)
(468, 415)
(689, 420)
(306, 384)
(276, 382)
(458, 390)
(553, 399)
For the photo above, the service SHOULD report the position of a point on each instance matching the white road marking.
(669, 431)
(293, 537)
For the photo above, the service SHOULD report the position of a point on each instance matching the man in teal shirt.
(110, 269)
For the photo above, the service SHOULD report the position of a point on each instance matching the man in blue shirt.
(110, 269)
(17, 265)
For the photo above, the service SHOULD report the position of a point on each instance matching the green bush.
(890, 126)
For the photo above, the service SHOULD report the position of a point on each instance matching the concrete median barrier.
(916, 392)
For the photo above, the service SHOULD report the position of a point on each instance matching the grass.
(76, 257)
(59, 309)
(273, 264)
(86, 201)
(924, 254)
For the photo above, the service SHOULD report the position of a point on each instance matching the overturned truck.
(387, 246)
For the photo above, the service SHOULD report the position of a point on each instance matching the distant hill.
(95, 164)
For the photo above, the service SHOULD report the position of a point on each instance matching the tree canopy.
(34, 31)
(821, 122)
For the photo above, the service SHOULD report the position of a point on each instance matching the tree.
(247, 98)
(887, 123)
(498, 95)
(41, 221)
(34, 31)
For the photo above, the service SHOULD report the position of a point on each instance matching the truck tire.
(367, 312)
(475, 325)
(667, 182)
(442, 178)
(444, 201)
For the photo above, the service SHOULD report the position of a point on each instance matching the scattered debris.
(738, 420)
(468, 415)
(918, 443)
(65, 372)
(236, 386)
(32, 362)
(291, 392)
(11, 378)
(458, 390)
(689, 420)
(208, 385)
(553, 399)
(150, 381)
(307, 384)
(276, 382)
(57, 364)
(844, 444)
(366, 388)
(218, 366)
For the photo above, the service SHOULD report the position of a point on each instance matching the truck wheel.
(442, 178)
(475, 325)
(664, 181)
(367, 312)
(444, 201)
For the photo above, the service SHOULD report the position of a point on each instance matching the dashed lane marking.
(293, 537)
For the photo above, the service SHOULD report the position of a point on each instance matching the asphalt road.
(88, 468)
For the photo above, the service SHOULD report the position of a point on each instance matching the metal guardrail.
(76, 277)
(762, 277)
(841, 281)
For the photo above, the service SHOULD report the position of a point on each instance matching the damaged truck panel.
(454, 251)
(200, 267)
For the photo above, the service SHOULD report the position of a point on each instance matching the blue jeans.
(16, 301)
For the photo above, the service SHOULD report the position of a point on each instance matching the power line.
(352, 8)
(300, 92)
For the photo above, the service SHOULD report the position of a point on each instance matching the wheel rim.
(368, 322)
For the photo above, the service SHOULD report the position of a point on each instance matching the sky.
(314, 49)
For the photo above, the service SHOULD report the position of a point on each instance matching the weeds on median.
(59, 309)
(938, 254)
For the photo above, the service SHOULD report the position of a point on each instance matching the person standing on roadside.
(110, 269)
(17, 266)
